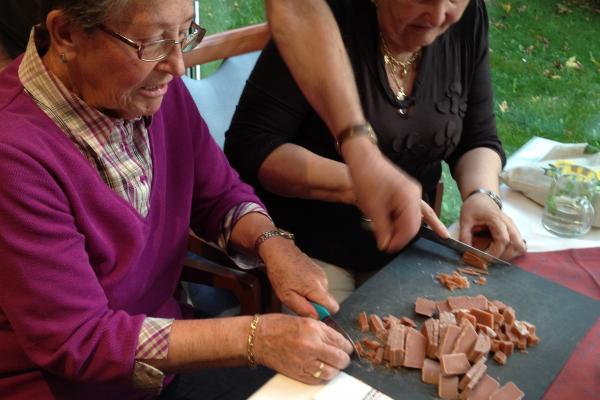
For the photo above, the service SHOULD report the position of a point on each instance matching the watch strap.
(354, 131)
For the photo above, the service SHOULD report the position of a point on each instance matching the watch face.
(286, 234)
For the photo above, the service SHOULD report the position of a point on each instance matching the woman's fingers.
(431, 219)
(321, 374)
(479, 213)
(517, 245)
(296, 346)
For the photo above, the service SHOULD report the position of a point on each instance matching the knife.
(325, 317)
(459, 246)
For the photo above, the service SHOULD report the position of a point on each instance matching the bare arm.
(293, 171)
(297, 26)
(291, 345)
(488, 165)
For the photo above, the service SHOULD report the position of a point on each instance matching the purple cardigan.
(79, 267)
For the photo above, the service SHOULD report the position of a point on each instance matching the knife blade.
(459, 246)
(325, 316)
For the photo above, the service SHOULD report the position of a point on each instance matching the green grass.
(221, 15)
(537, 93)
(530, 45)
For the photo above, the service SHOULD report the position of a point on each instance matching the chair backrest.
(218, 95)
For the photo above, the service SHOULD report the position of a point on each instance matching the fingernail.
(384, 246)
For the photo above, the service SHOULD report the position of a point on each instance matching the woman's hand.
(431, 219)
(479, 212)
(295, 278)
(384, 193)
(297, 346)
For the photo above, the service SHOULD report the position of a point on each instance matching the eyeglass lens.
(158, 50)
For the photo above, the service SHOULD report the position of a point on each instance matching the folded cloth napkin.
(535, 179)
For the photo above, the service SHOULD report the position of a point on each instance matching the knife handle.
(322, 311)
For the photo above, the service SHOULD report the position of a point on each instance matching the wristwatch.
(355, 130)
(269, 234)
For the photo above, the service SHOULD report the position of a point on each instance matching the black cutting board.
(562, 317)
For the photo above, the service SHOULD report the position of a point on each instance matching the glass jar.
(569, 211)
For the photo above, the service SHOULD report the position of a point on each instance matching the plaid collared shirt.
(120, 151)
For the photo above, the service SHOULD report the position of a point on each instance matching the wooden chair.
(205, 270)
(217, 97)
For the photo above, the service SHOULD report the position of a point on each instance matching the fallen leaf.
(544, 40)
(522, 8)
(551, 74)
(528, 49)
(507, 7)
(573, 63)
(503, 106)
(562, 9)
(557, 64)
(499, 25)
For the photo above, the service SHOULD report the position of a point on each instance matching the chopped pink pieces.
(452, 349)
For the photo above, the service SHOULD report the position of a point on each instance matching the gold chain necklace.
(399, 69)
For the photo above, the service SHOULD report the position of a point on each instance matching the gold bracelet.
(354, 131)
(251, 336)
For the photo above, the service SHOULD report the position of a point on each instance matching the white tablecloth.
(528, 215)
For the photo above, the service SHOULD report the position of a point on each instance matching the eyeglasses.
(159, 49)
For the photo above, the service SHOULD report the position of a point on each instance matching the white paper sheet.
(347, 387)
(342, 386)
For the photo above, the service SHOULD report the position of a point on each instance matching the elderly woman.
(105, 162)
(422, 72)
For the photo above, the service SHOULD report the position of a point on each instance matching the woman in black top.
(422, 71)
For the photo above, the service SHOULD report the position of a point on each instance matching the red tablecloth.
(579, 270)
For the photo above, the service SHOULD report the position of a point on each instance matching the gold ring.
(317, 374)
